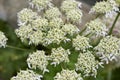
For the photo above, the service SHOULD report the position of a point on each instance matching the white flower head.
(108, 48)
(3, 40)
(59, 55)
(55, 35)
(68, 75)
(70, 29)
(74, 15)
(38, 60)
(68, 5)
(24, 32)
(27, 75)
(39, 24)
(96, 27)
(36, 37)
(56, 23)
(108, 8)
(87, 64)
(40, 4)
(81, 43)
(25, 16)
(53, 12)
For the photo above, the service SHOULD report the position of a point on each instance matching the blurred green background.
(11, 60)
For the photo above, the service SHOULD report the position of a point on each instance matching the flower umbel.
(3, 40)
(52, 13)
(27, 75)
(68, 5)
(81, 43)
(56, 23)
(24, 32)
(39, 24)
(59, 55)
(68, 75)
(74, 15)
(25, 16)
(96, 27)
(87, 64)
(38, 60)
(55, 35)
(108, 48)
(108, 8)
(40, 4)
(70, 29)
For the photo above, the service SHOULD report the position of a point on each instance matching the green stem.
(9, 46)
(113, 25)
(82, 31)
(89, 35)
(109, 76)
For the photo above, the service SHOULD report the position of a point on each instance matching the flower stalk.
(113, 25)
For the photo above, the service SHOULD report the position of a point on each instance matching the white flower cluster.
(38, 60)
(49, 26)
(81, 43)
(26, 32)
(27, 75)
(87, 64)
(36, 38)
(68, 5)
(68, 75)
(70, 29)
(108, 48)
(3, 40)
(72, 11)
(74, 15)
(40, 4)
(108, 8)
(96, 27)
(25, 16)
(52, 13)
(59, 55)
(39, 24)
(55, 35)
(56, 23)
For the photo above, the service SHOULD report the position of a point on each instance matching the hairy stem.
(113, 25)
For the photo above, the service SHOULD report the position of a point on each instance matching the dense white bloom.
(81, 43)
(68, 5)
(108, 8)
(56, 23)
(70, 29)
(27, 75)
(108, 48)
(3, 40)
(55, 35)
(68, 75)
(87, 64)
(36, 37)
(59, 55)
(52, 13)
(24, 32)
(96, 27)
(25, 16)
(38, 60)
(74, 15)
(39, 24)
(40, 4)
